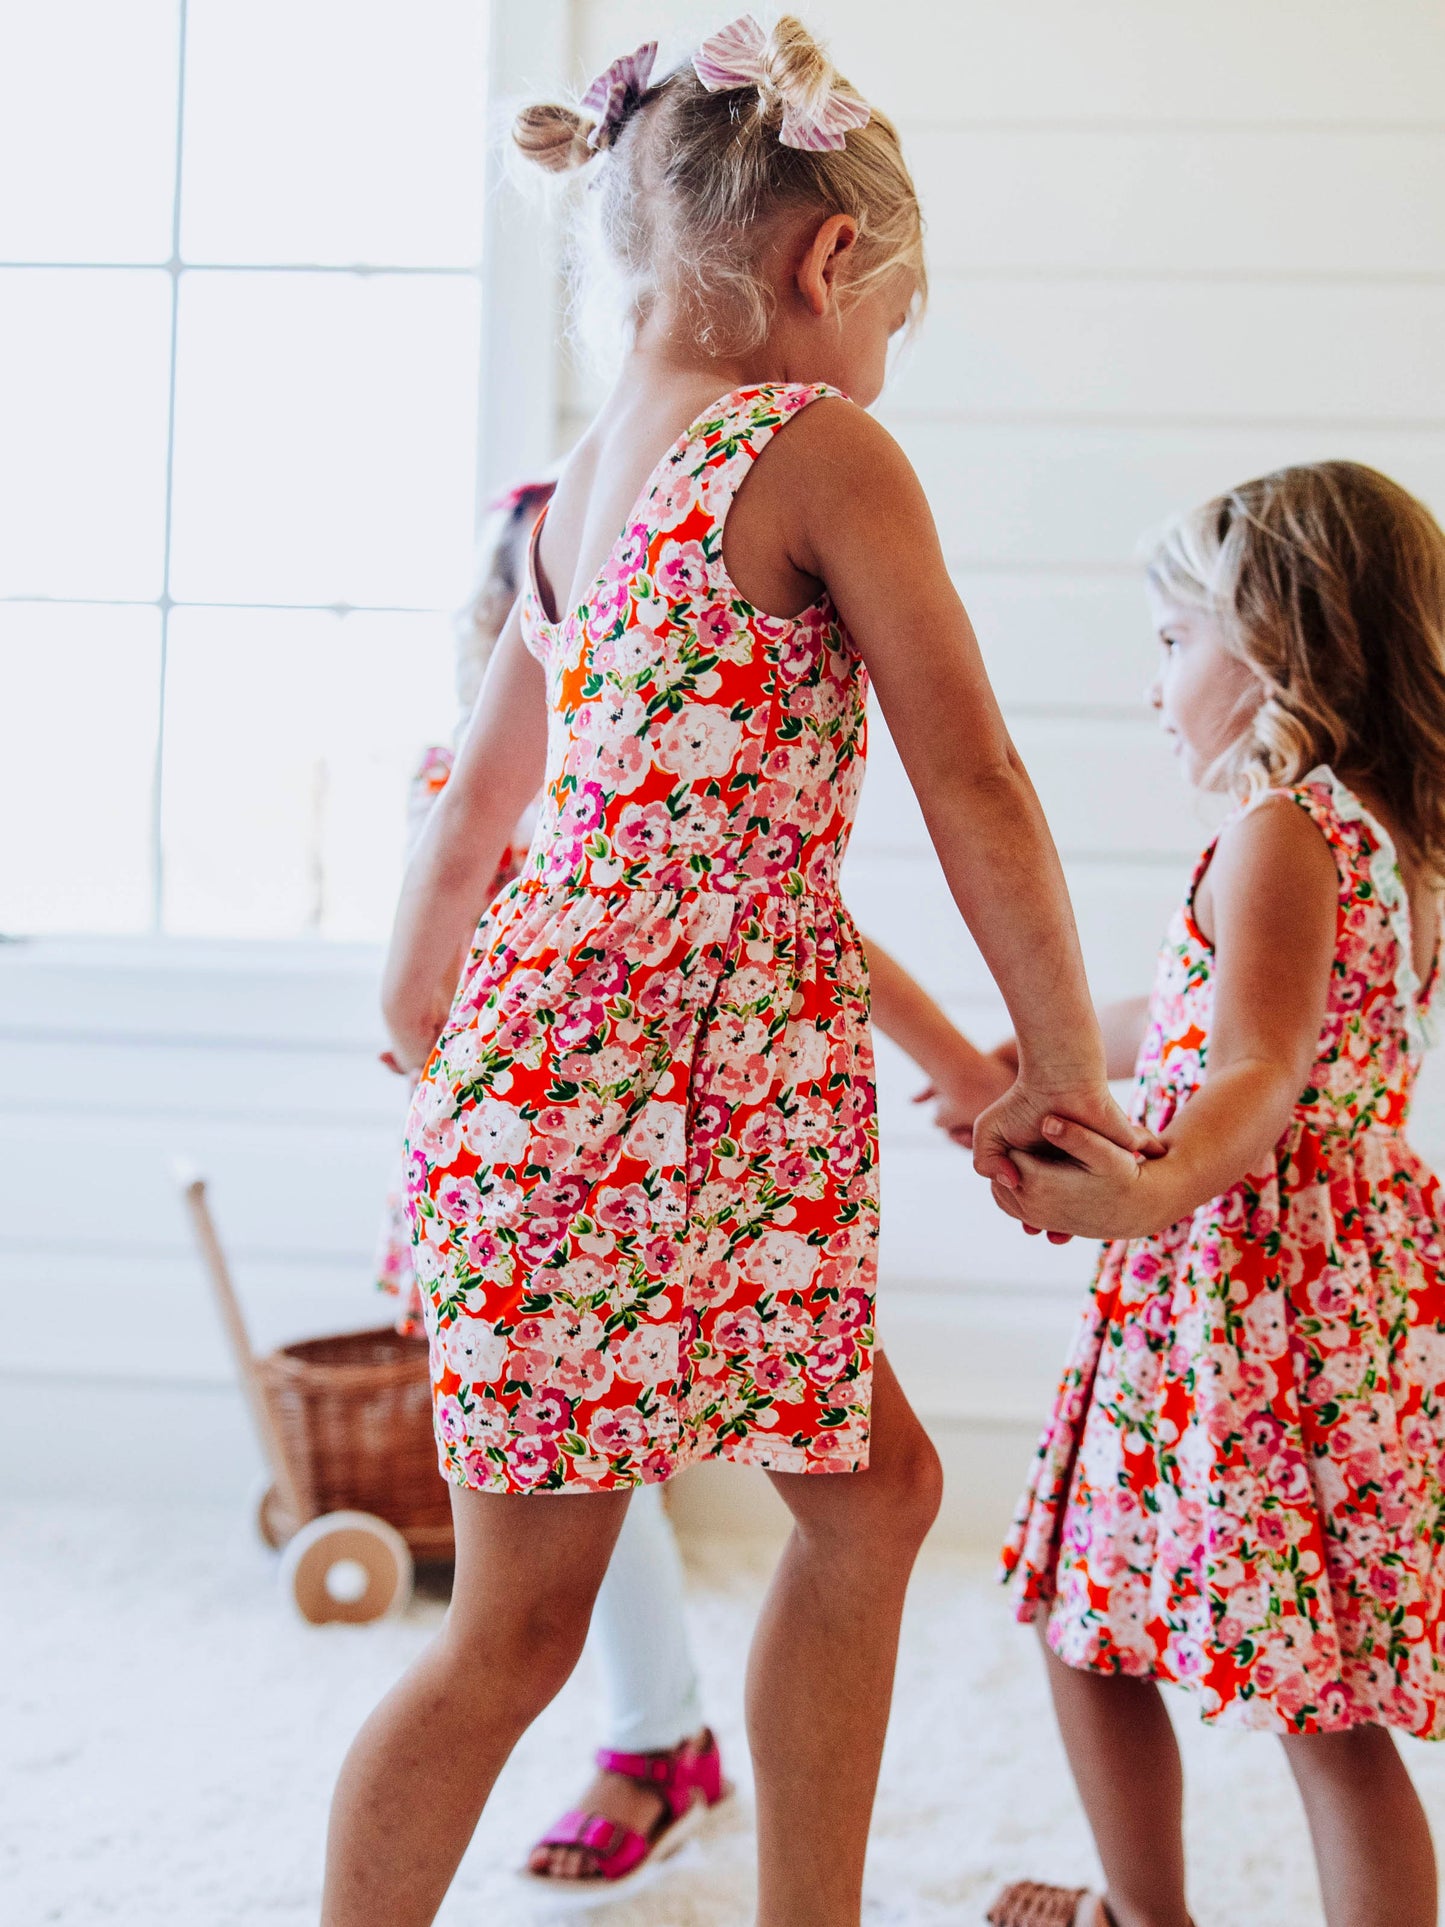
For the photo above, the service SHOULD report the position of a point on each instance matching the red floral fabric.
(1240, 1487)
(642, 1160)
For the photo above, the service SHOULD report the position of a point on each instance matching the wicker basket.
(354, 1417)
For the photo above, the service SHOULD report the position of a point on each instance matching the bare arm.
(1123, 1025)
(498, 771)
(964, 1079)
(863, 526)
(1274, 896)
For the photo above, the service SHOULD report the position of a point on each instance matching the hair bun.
(553, 137)
(797, 66)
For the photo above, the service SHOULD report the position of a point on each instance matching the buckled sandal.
(690, 1781)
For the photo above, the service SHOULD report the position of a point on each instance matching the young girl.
(1240, 1490)
(643, 1181)
(659, 1767)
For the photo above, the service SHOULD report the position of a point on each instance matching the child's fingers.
(928, 1092)
(389, 1059)
(1096, 1154)
(998, 1168)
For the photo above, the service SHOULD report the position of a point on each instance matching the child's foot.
(631, 1810)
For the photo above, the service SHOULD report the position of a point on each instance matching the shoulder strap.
(722, 447)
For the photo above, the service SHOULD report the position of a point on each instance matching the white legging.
(639, 1636)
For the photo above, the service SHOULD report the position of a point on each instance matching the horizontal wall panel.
(1071, 641)
(942, 1227)
(49, 1075)
(1110, 787)
(1072, 347)
(155, 1318)
(102, 1185)
(1122, 910)
(1133, 60)
(1185, 202)
(1076, 497)
(321, 997)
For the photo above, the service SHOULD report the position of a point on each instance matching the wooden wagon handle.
(193, 1191)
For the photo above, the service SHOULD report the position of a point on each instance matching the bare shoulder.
(1274, 858)
(840, 444)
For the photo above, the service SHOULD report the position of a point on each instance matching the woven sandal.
(690, 1782)
(1028, 1903)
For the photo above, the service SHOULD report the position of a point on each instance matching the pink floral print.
(643, 1158)
(1240, 1487)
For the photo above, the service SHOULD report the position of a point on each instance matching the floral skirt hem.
(1361, 1703)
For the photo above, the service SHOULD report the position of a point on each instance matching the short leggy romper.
(642, 1161)
(1242, 1486)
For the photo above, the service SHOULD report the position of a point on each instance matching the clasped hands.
(1068, 1163)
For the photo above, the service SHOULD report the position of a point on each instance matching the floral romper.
(1240, 1488)
(643, 1157)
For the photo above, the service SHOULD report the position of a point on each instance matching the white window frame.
(520, 306)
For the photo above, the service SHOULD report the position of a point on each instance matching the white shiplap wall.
(1170, 248)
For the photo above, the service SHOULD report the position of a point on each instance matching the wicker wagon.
(353, 1494)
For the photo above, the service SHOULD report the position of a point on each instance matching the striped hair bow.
(614, 95)
(736, 56)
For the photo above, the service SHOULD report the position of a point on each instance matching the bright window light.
(240, 320)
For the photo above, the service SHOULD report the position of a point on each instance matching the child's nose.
(1154, 693)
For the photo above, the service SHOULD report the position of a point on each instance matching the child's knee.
(525, 1650)
(908, 1490)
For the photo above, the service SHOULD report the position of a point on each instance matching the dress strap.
(1369, 868)
(722, 447)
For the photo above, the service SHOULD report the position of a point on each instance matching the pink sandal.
(690, 1781)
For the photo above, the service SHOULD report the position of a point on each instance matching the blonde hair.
(692, 185)
(502, 561)
(1329, 581)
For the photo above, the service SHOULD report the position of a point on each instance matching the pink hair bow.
(614, 94)
(736, 57)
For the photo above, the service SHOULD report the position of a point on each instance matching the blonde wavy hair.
(692, 190)
(1329, 582)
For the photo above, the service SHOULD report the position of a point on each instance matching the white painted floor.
(171, 1732)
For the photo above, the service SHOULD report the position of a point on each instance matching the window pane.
(334, 131)
(83, 385)
(290, 739)
(325, 438)
(87, 129)
(78, 715)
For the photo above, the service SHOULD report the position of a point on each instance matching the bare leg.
(820, 1675)
(1371, 1838)
(1125, 1763)
(418, 1774)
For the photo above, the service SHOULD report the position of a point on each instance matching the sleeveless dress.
(642, 1160)
(1240, 1487)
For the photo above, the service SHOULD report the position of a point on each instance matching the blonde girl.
(643, 1176)
(1240, 1490)
(659, 1768)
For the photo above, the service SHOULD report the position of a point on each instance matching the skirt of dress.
(642, 1184)
(1240, 1487)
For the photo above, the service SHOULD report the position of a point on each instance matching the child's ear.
(822, 261)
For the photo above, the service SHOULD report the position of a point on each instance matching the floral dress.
(1240, 1488)
(395, 1273)
(643, 1157)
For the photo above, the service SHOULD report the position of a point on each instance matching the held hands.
(1028, 1132)
(1084, 1187)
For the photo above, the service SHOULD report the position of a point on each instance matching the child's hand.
(1016, 1122)
(1095, 1189)
(957, 1100)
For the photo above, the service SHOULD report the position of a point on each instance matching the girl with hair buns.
(1242, 1487)
(642, 1151)
(657, 1753)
